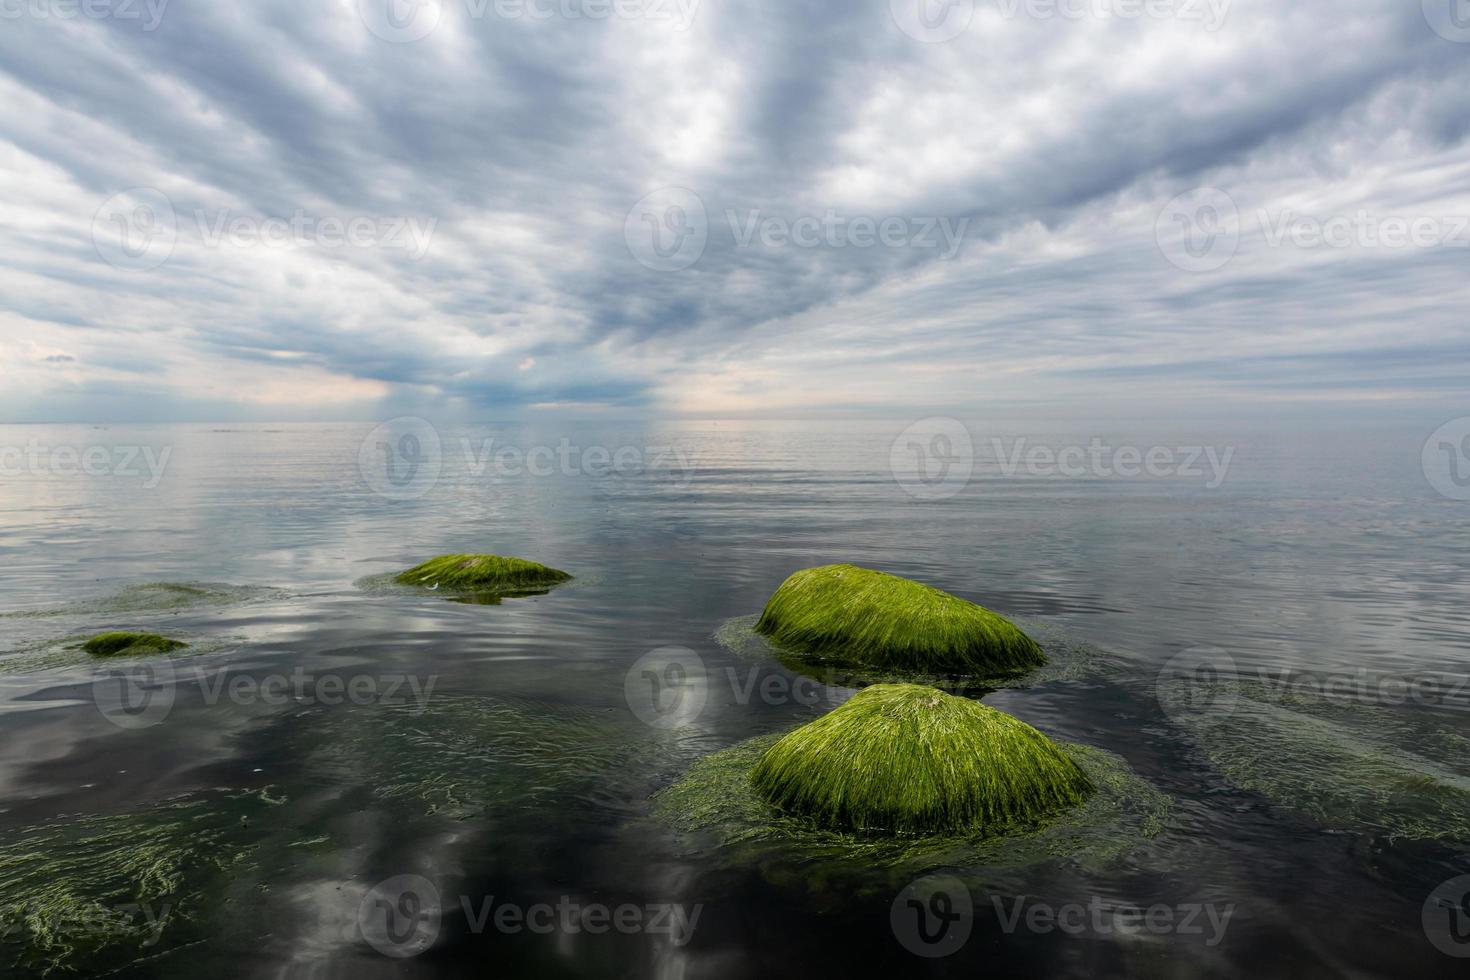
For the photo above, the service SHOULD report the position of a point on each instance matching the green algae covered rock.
(123, 643)
(912, 759)
(489, 573)
(715, 817)
(861, 616)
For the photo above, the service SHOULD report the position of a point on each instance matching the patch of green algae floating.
(120, 886)
(125, 643)
(720, 818)
(157, 597)
(463, 755)
(1347, 765)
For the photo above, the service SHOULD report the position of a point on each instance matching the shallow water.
(512, 750)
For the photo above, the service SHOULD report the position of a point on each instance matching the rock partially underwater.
(912, 759)
(720, 819)
(1068, 658)
(483, 573)
(858, 616)
(122, 643)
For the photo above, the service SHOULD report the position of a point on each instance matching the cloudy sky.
(499, 208)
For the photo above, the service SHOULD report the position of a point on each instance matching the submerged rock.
(123, 643)
(861, 616)
(912, 759)
(1360, 767)
(482, 572)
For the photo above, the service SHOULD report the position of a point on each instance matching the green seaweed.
(1067, 658)
(875, 620)
(1345, 764)
(912, 759)
(120, 885)
(461, 756)
(122, 643)
(156, 597)
(486, 573)
(720, 819)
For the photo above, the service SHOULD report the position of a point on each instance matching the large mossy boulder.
(487, 573)
(878, 620)
(912, 759)
(122, 643)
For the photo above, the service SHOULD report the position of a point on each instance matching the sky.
(354, 209)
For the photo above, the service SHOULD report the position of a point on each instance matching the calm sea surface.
(326, 734)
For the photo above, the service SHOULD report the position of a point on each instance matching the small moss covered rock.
(482, 572)
(121, 642)
(871, 618)
(912, 759)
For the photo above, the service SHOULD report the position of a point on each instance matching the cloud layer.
(502, 207)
